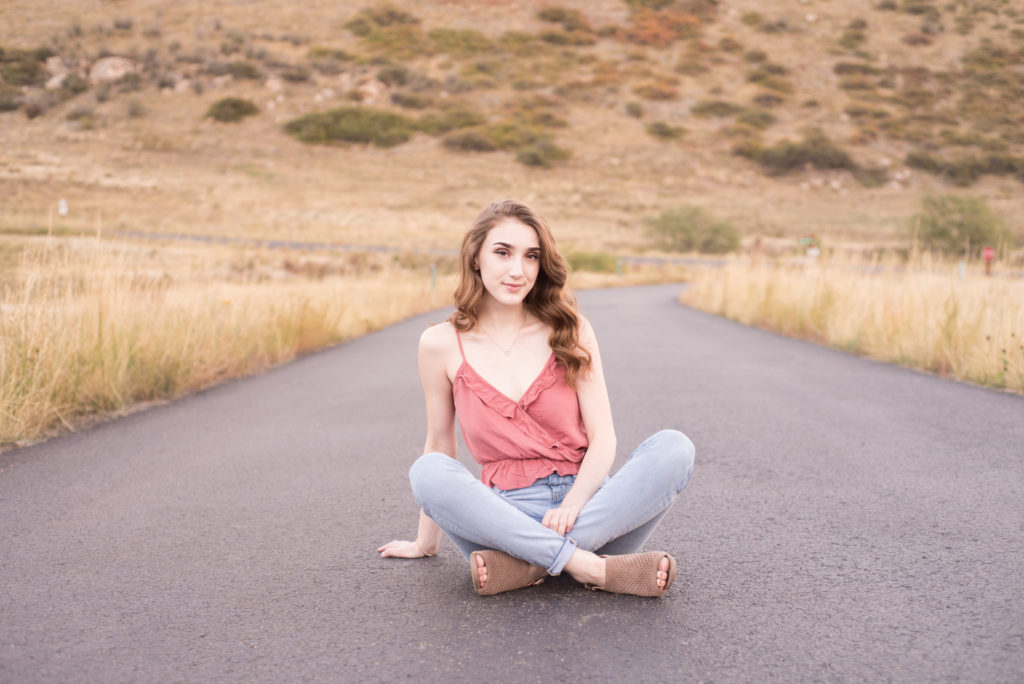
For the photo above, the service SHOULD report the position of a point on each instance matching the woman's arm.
(437, 391)
(596, 411)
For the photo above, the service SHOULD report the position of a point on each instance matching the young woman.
(521, 369)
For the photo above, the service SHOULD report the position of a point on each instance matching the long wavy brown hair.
(549, 300)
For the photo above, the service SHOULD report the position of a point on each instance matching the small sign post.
(988, 254)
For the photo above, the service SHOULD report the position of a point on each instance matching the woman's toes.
(481, 570)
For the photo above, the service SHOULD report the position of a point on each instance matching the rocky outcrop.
(111, 69)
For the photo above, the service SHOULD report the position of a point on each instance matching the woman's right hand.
(402, 549)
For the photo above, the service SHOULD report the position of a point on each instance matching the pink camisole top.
(519, 442)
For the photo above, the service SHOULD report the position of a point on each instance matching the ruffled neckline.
(501, 401)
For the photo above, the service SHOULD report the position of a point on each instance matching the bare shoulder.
(588, 338)
(438, 340)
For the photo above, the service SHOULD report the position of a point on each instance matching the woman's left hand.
(561, 519)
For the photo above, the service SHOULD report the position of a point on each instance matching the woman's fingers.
(400, 549)
(560, 520)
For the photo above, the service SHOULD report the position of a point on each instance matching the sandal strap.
(636, 574)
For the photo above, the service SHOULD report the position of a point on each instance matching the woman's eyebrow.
(507, 245)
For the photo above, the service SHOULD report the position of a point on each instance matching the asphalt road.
(847, 521)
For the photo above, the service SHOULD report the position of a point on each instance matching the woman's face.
(509, 261)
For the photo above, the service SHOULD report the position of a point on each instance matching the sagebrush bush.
(453, 116)
(231, 109)
(10, 98)
(460, 42)
(471, 140)
(635, 109)
(758, 118)
(412, 100)
(765, 78)
(966, 170)
(24, 67)
(690, 228)
(815, 150)
(543, 153)
(245, 70)
(352, 124)
(715, 108)
(656, 91)
(660, 129)
(959, 225)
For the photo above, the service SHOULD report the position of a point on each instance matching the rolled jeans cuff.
(562, 557)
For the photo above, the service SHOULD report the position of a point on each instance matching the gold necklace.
(506, 352)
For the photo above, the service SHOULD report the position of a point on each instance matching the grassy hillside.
(831, 117)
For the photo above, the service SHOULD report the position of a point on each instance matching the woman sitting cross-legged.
(521, 369)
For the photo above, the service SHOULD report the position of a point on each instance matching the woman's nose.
(516, 267)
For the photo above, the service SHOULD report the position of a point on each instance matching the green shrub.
(767, 99)
(352, 124)
(690, 228)
(656, 91)
(571, 38)
(966, 170)
(767, 79)
(756, 56)
(452, 116)
(231, 109)
(815, 150)
(543, 153)
(660, 129)
(321, 52)
(514, 135)
(595, 262)
(386, 15)
(730, 44)
(471, 140)
(24, 67)
(295, 73)
(751, 18)
(394, 75)
(10, 98)
(758, 118)
(554, 15)
(852, 39)
(848, 68)
(391, 32)
(460, 42)
(635, 109)
(954, 224)
(412, 100)
(245, 70)
(715, 108)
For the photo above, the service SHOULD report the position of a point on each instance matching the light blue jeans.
(618, 518)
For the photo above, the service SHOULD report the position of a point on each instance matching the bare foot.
(481, 569)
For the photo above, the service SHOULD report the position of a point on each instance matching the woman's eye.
(534, 256)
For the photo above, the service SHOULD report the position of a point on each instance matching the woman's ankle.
(586, 567)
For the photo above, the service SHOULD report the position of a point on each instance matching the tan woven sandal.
(636, 574)
(504, 573)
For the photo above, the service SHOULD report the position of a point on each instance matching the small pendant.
(508, 353)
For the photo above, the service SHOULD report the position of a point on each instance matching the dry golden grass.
(923, 316)
(89, 327)
(93, 326)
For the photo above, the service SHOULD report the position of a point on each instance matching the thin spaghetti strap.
(459, 338)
